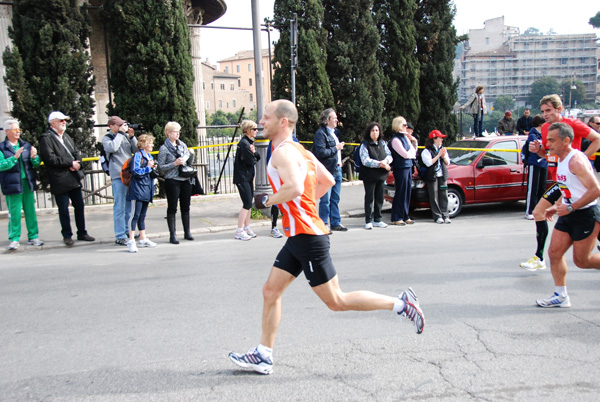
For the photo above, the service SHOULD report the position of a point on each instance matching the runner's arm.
(287, 162)
(594, 137)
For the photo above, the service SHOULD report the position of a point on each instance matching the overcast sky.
(219, 44)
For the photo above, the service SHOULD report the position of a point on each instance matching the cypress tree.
(49, 68)
(313, 90)
(398, 60)
(354, 72)
(151, 71)
(436, 44)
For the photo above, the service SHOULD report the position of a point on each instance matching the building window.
(237, 68)
(251, 97)
(563, 60)
(227, 69)
(239, 83)
(207, 105)
(487, 41)
(227, 105)
(250, 81)
(222, 87)
(249, 67)
(232, 87)
(203, 85)
(220, 104)
(234, 104)
(212, 85)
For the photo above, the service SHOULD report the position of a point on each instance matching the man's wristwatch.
(265, 199)
(570, 208)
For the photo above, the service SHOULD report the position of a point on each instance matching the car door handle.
(514, 170)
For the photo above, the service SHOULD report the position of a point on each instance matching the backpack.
(525, 153)
(356, 157)
(421, 167)
(104, 159)
(126, 172)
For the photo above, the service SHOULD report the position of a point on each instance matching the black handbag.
(186, 171)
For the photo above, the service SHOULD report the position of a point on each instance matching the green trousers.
(15, 202)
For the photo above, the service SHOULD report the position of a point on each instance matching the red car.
(476, 177)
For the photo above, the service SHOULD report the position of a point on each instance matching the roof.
(213, 9)
(245, 55)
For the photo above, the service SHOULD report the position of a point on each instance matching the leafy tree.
(504, 103)
(595, 20)
(436, 43)
(540, 88)
(313, 89)
(354, 71)
(573, 95)
(49, 68)
(151, 66)
(396, 55)
(531, 31)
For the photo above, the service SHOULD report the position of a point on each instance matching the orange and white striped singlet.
(300, 214)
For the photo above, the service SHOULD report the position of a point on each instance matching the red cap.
(436, 134)
(508, 113)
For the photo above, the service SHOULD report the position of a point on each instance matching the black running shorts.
(552, 194)
(579, 224)
(308, 253)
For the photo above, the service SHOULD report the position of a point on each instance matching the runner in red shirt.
(551, 107)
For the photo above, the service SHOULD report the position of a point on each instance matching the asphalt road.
(95, 323)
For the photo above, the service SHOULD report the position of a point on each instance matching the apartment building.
(507, 63)
(242, 64)
(222, 91)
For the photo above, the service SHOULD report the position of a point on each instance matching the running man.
(551, 107)
(298, 180)
(578, 213)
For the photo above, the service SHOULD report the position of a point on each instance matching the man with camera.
(119, 144)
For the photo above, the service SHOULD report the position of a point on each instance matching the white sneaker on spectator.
(131, 246)
(13, 245)
(35, 242)
(368, 226)
(249, 232)
(529, 217)
(447, 220)
(276, 233)
(439, 220)
(242, 236)
(380, 224)
(146, 243)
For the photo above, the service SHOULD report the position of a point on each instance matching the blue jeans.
(120, 209)
(478, 124)
(329, 209)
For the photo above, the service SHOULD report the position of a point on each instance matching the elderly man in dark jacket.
(63, 164)
(18, 159)
(327, 147)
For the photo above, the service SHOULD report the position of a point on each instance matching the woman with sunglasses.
(243, 177)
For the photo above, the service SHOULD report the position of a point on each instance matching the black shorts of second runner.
(579, 224)
(246, 193)
(552, 194)
(308, 253)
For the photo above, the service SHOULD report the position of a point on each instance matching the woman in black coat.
(243, 177)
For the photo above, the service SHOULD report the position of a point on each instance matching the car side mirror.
(485, 162)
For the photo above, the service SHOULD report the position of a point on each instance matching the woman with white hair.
(175, 162)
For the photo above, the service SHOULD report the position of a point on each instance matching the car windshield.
(464, 156)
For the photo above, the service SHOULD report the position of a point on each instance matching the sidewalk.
(212, 213)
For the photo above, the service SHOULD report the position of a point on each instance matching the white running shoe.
(249, 232)
(412, 310)
(368, 226)
(276, 233)
(533, 264)
(439, 221)
(146, 243)
(380, 224)
(529, 217)
(242, 236)
(13, 245)
(555, 301)
(131, 246)
(35, 242)
(447, 220)
(253, 360)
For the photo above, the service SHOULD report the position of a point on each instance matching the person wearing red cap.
(507, 125)
(436, 158)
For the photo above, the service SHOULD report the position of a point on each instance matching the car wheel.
(455, 202)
